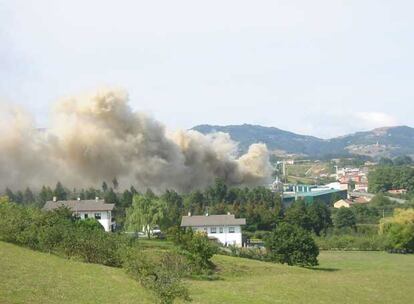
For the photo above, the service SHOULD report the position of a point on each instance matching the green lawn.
(343, 277)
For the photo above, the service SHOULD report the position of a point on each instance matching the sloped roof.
(80, 205)
(211, 220)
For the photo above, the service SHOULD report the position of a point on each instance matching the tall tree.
(104, 187)
(60, 192)
(28, 196)
(345, 218)
(320, 217)
(145, 213)
(115, 183)
(45, 194)
(10, 195)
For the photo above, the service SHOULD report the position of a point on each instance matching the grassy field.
(343, 277)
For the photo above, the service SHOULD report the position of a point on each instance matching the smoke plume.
(96, 137)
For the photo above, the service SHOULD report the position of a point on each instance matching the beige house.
(343, 203)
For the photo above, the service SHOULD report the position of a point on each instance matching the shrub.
(196, 247)
(399, 230)
(161, 274)
(292, 245)
(351, 242)
(249, 253)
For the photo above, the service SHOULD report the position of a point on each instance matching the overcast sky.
(323, 68)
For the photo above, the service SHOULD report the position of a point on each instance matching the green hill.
(343, 277)
(388, 142)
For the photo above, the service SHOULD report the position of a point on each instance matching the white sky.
(323, 68)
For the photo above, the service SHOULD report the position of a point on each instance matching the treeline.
(260, 206)
(385, 178)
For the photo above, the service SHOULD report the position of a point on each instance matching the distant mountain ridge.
(380, 142)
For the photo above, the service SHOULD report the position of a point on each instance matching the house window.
(85, 215)
(213, 230)
(221, 229)
(231, 230)
(205, 229)
(97, 216)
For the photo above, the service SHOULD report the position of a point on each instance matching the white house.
(87, 209)
(225, 228)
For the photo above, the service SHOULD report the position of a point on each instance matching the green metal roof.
(312, 193)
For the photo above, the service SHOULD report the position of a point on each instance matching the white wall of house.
(227, 235)
(103, 217)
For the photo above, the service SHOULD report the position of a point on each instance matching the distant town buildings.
(357, 176)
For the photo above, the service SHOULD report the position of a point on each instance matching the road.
(358, 194)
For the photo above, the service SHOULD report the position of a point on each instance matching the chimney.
(54, 198)
(97, 198)
(189, 213)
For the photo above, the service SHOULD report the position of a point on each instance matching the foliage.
(385, 178)
(146, 212)
(248, 253)
(314, 217)
(399, 229)
(58, 232)
(344, 217)
(160, 274)
(196, 247)
(351, 242)
(292, 245)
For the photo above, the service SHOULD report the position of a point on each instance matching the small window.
(97, 216)
(221, 229)
(231, 230)
(85, 215)
(213, 230)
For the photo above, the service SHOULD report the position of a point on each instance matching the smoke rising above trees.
(97, 136)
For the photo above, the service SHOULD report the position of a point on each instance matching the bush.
(196, 247)
(399, 230)
(58, 232)
(351, 242)
(292, 245)
(249, 253)
(161, 274)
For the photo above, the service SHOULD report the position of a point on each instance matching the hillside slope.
(31, 277)
(387, 142)
(343, 277)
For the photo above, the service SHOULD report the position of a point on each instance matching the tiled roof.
(80, 205)
(211, 220)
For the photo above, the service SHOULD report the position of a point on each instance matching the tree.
(145, 213)
(196, 247)
(45, 194)
(174, 209)
(115, 183)
(60, 192)
(320, 217)
(110, 197)
(104, 186)
(403, 160)
(162, 276)
(10, 195)
(297, 215)
(292, 245)
(399, 229)
(28, 196)
(345, 218)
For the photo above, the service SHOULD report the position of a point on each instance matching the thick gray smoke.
(96, 137)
